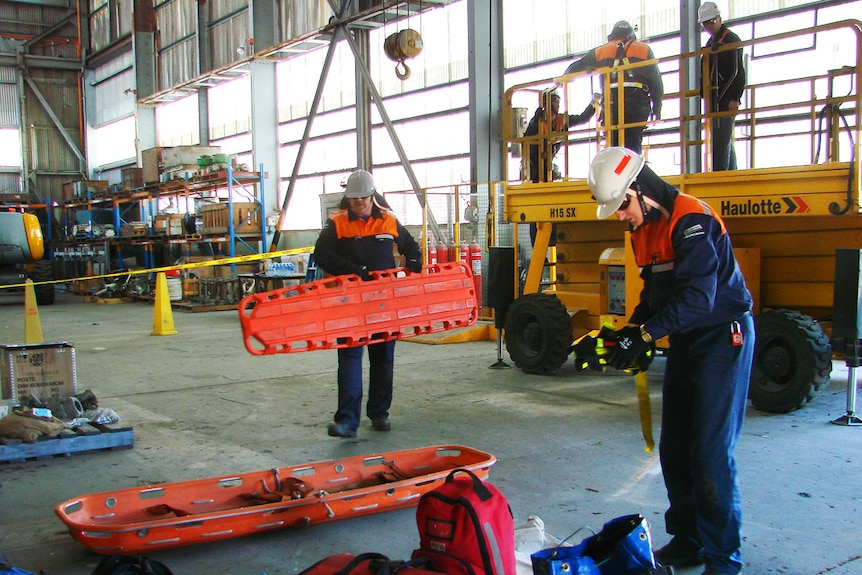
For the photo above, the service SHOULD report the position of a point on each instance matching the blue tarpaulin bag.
(7, 569)
(622, 547)
(563, 561)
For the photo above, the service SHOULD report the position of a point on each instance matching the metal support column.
(690, 42)
(486, 67)
(264, 138)
(144, 49)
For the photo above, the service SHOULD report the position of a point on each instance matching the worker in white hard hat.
(643, 88)
(693, 292)
(359, 239)
(722, 85)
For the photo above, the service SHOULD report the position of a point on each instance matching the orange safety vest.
(653, 242)
(616, 53)
(384, 227)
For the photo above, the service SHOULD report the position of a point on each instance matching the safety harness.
(623, 58)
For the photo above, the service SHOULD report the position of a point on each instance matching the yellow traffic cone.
(163, 320)
(32, 325)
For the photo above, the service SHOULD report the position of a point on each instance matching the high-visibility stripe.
(496, 555)
(631, 85)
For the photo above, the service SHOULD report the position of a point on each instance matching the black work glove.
(645, 359)
(586, 354)
(629, 345)
(363, 273)
(414, 266)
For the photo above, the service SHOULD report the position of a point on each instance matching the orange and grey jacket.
(691, 277)
(620, 52)
(349, 242)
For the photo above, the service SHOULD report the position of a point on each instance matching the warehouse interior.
(181, 157)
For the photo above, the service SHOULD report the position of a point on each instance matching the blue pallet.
(89, 437)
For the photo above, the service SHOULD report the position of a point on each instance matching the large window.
(429, 110)
(10, 148)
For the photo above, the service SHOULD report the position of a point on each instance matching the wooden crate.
(45, 370)
(246, 218)
(191, 288)
(133, 178)
(134, 230)
(150, 164)
(80, 189)
(168, 225)
(85, 287)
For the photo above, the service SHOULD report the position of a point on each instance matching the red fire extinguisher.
(464, 252)
(452, 250)
(432, 254)
(442, 252)
(476, 266)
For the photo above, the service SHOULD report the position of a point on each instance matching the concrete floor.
(569, 445)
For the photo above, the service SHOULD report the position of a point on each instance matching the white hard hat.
(552, 93)
(611, 174)
(707, 11)
(360, 184)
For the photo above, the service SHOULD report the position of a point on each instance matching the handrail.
(769, 102)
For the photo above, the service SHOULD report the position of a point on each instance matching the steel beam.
(59, 125)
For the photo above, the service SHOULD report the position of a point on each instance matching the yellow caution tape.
(207, 263)
(646, 412)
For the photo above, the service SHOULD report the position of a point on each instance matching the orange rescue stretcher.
(140, 520)
(344, 311)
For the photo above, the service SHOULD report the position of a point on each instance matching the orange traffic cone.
(163, 320)
(32, 325)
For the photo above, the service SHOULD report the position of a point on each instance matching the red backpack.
(466, 528)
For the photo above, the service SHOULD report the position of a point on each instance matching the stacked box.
(81, 188)
(42, 370)
(150, 165)
(133, 178)
(246, 218)
(134, 230)
(157, 160)
(168, 225)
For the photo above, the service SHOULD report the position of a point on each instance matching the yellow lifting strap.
(645, 410)
(590, 353)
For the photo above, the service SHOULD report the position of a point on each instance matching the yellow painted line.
(207, 263)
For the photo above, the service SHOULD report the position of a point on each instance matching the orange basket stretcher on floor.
(144, 519)
(344, 311)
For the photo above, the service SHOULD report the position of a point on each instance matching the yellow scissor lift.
(787, 210)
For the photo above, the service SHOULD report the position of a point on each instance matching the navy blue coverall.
(695, 293)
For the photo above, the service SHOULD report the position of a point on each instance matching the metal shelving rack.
(146, 201)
